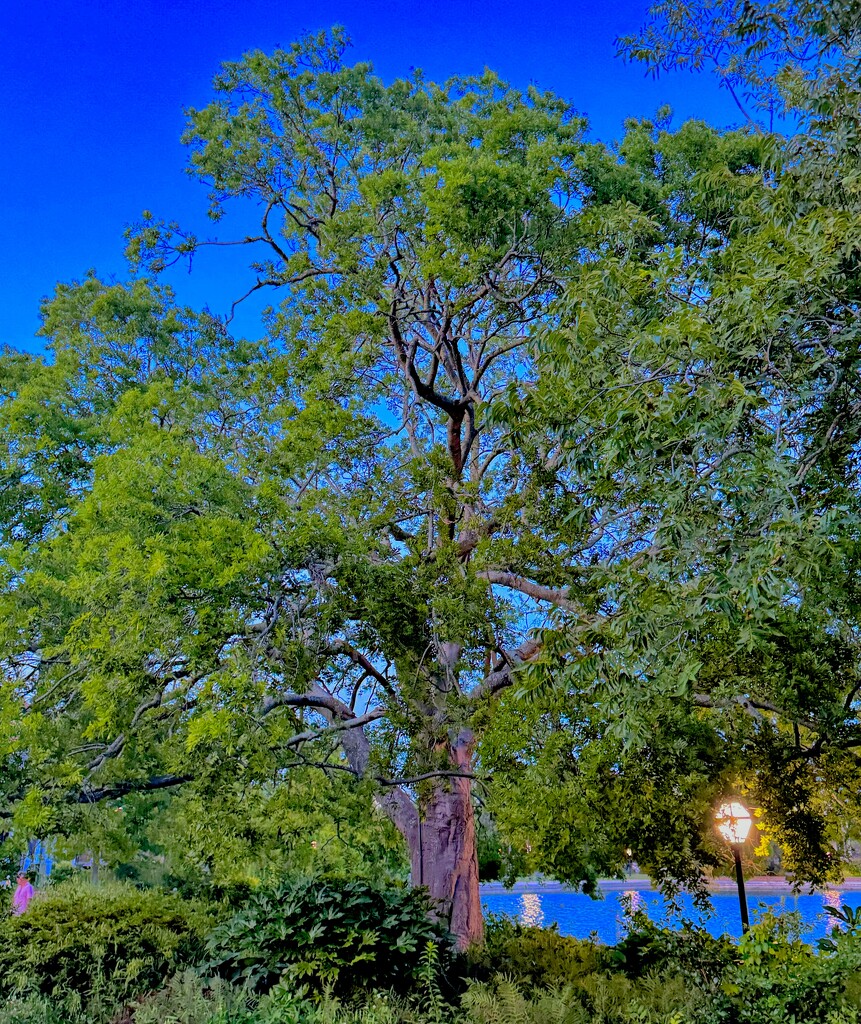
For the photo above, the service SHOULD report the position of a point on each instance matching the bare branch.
(421, 778)
(559, 598)
(353, 723)
(118, 789)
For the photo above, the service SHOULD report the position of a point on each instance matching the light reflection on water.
(530, 912)
(581, 916)
(634, 900)
(834, 899)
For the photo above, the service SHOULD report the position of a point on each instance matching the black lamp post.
(733, 822)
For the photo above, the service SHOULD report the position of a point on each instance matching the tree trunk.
(441, 839)
(443, 848)
(444, 857)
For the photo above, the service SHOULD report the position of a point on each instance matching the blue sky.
(93, 96)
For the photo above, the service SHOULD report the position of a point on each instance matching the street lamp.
(733, 822)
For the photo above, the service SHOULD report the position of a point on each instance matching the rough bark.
(444, 853)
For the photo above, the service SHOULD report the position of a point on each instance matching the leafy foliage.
(224, 841)
(340, 936)
(84, 944)
(609, 1000)
(35, 1010)
(533, 958)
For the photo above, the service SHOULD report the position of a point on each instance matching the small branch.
(503, 671)
(113, 750)
(343, 647)
(353, 723)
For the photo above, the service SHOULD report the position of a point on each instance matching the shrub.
(777, 977)
(83, 943)
(688, 949)
(533, 957)
(340, 936)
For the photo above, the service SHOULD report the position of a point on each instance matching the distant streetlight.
(733, 822)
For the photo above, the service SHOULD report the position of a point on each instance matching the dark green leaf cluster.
(534, 958)
(649, 947)
(342, 936)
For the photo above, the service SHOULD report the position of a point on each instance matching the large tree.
(219, 551)
(498, 430)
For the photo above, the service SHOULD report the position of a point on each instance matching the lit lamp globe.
(733, 822)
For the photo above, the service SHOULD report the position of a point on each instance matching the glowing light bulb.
(733, 822)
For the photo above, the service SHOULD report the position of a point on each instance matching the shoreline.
(756, 884)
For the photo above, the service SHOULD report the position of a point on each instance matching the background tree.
(704, 388)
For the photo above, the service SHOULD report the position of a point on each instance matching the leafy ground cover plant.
(333, 935)
(533, 957)
(598, 998)
(34, 1009)
(189, 999)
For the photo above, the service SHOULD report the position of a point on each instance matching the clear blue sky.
(93, 95)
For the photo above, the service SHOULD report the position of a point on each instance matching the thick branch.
(559, 598)
(406, 357)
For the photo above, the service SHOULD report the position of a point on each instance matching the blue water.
(581, 916)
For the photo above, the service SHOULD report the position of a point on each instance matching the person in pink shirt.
(23, 894)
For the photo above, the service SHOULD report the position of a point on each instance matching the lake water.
(581, 916)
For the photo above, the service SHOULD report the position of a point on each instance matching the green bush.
(85, 944)
(340, 936)
(777, 978)
(321, 952)
(533, 957)
(650, 948)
